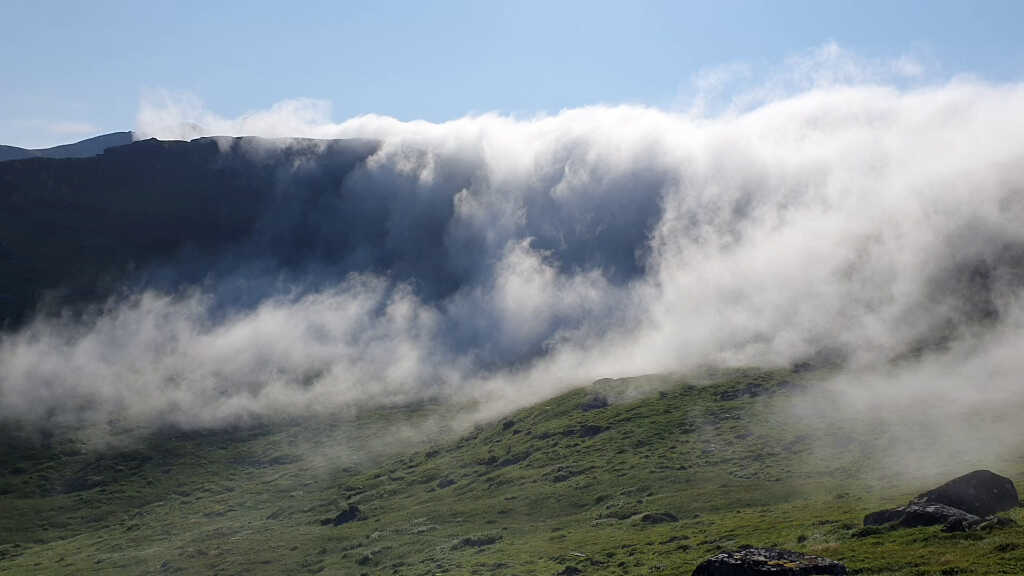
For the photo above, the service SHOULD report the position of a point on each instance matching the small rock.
(768, 562)
(952, 519)
(478, 541)
(994, 522)
(350, 514)
(915, 515)
(658, 517)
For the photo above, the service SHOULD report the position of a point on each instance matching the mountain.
(167, 214)
(83, 149)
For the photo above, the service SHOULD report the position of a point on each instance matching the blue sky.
(74, 69)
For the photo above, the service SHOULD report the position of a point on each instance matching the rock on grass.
(962, 504)
(768, 562)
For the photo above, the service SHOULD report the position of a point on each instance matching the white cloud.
(602, 241)
(738, 87)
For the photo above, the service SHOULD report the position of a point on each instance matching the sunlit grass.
(548, 487)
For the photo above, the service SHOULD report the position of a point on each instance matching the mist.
(496, 260)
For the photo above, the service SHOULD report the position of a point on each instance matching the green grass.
(545, 488)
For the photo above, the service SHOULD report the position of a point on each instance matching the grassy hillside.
(637, 476)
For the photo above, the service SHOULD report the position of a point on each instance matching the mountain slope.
(82, 149)
(633, 476)
(164, 214)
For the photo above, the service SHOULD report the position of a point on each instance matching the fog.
(498, 260)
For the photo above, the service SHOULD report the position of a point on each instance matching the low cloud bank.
(500, 260)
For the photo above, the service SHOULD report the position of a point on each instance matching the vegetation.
(635, 476)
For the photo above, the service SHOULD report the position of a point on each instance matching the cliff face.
(78, 230)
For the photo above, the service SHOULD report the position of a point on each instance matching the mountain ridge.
(78, 230)
(81, 149)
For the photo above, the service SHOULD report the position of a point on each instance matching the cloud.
(737, 87)
(160, 359)
(181, 116)
(499, 260)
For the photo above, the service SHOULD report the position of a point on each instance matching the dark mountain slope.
(77, 230)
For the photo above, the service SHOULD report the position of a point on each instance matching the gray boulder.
(982, 493)
(657, 518)
(914, 515)
(768, 562)
(962, 504)
(352, 513)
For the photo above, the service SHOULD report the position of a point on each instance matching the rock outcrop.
(350, 514)
(914, 515)
(962, 504)
(768, 562)
(657, 518)
(982, 493)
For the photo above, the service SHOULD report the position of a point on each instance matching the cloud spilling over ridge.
(504, 259)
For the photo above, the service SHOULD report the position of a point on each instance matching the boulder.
(882, 517)
(982, 493)
(657, 518)
(952, 519)
(768, 562)
(915, 514)
(350, 514)
(962, 504)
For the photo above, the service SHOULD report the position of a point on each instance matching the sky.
(75, 69)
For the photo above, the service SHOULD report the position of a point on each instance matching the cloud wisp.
(503, 259)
